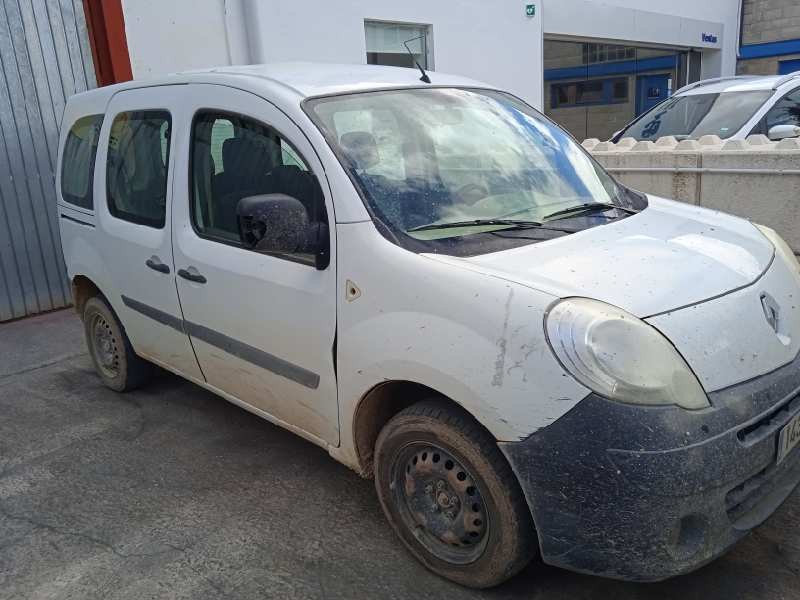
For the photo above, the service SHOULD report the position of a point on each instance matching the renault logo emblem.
(771, 310)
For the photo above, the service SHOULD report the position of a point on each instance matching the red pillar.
(106, 24)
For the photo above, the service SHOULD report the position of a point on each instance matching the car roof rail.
(703, 82)
(786, 79)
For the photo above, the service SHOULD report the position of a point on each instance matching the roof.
(308, 79)
(742, 83)
(285, 83)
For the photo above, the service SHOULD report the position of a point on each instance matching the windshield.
(445, 155)
(696, 115)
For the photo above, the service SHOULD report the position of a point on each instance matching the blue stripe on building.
(621, 67)
(770, 49)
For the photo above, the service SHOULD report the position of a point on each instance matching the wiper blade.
(587, 207)
(473, 222)
(515, 223)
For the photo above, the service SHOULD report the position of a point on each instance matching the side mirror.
(278, 224)
(272, 223)
(781, 132)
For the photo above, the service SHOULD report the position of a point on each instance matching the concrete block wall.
(764, 66)
(770, 21)
(754, 178)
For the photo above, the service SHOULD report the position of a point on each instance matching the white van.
(439, 286)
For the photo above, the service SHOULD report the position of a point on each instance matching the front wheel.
(451, 497)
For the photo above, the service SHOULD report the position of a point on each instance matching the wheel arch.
(382, 402)
(83, 288)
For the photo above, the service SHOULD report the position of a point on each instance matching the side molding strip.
(155, 314)
(254, 355)
(227, 344)
(78, 221)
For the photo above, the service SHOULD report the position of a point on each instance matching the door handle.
(192, 275)
(155, 263)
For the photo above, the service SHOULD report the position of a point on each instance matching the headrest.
(360, 148)
(248, 156)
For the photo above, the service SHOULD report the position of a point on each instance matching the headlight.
(619, 356)
(781, 247)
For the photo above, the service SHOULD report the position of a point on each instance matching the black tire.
(451, 496)
(112, 354)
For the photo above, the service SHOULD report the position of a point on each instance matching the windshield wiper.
(478, 222)
(587, 207)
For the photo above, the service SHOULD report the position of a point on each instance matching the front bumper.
(646, 493)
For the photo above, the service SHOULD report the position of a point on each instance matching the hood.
(668, 256)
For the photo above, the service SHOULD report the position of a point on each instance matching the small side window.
(234, 157)
(136, 171)
(77, 163)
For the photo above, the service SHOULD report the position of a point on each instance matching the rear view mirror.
(272, 223)
(781, 132)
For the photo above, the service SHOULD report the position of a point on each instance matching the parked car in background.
(729, 107)
(440, 287)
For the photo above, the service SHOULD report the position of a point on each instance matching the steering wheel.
(472, 193)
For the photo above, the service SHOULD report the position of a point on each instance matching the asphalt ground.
(172, 492)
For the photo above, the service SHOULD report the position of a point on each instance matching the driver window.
(786, 111)
(234, 157)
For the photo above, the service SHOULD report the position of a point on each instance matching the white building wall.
(492, 41)
(165, 36)
(465, 36)
(674, 23)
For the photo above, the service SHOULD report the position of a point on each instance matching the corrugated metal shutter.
(45, 57)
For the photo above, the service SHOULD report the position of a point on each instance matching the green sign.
(530, 10)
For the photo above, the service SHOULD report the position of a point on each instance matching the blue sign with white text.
(709, 38)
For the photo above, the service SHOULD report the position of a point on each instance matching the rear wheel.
(112, 354)
(451, 496)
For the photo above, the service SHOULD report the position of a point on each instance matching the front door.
(651, 90)
(135, 171)
(263, 326)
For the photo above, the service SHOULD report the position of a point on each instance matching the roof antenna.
(424, 77)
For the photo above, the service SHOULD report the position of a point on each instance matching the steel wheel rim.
(104, 346)
(440, 503)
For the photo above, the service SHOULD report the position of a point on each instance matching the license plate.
(789, 437)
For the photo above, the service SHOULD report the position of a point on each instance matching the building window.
(385, 44)
(593, 91)
(619, 90)
(628, 73)
(599, 53)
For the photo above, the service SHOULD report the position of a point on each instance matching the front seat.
(246, 161)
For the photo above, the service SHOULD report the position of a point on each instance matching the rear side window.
(136, 170)
(77, 163)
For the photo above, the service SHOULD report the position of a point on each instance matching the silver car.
(729, 107)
